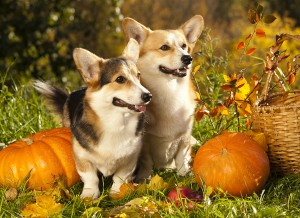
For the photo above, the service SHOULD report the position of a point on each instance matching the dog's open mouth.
(120, 103)
(181, 72)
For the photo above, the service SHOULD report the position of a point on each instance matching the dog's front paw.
(90, 193)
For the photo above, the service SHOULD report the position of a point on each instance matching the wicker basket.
(279, 118)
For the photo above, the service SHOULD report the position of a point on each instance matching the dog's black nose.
(186, 59)
(146, 96)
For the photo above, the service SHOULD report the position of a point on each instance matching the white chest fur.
(176, 110)
(119, 144)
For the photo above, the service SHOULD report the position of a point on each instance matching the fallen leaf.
(45, 206)
(139, 207)
(125, 190)
(91, 212)
(11, 194)
(157, 183)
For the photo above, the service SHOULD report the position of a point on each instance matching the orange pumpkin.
(46, 155)
(233, 162)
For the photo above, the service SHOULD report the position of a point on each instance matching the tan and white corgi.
(165, 66)
(106, 118)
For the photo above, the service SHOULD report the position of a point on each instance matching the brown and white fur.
(165, 66)
(106, 118)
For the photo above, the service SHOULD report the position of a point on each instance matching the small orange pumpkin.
(233, 162)
(46, 155)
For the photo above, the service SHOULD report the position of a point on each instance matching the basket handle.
(271, 65)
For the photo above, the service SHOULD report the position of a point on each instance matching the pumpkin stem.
(223, 151)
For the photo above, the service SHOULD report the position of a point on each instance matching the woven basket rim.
(278, 95)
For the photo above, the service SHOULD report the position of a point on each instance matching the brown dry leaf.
(252, 16)
(45, 206)
(291, 78)
(201, 112)
(269, 19)
(11, 194)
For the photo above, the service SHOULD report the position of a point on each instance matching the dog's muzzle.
(181, 72)
(146, 97)
(186, 59)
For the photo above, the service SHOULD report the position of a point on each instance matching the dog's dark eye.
(139, 75)
(183, 46)
(164, 47)
(121, 79)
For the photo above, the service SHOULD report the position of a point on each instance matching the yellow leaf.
(225, 112)
(157, 183)
(44, 206)
(243, 90)
(244, 109)
(226, 78)
(196, 69)
(223, 109)
(259, 137)
(125, 190)
(198, 97)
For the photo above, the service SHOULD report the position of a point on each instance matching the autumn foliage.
(243, 88)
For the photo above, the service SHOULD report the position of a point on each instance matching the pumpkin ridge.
(244, 168)
(61, 156)
(46, 162)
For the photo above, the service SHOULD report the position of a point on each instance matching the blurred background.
(37, 37)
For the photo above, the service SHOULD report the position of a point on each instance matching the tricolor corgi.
(165, 65)
(106, 118)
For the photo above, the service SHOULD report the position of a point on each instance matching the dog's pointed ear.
(133, 29)
(132, 50)
(192, 29)
(88, 65)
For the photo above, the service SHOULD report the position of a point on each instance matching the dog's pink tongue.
(141, 108)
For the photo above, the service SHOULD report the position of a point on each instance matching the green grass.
(23, 113)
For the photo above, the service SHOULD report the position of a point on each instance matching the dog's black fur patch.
(83, 131)
(111, 67)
